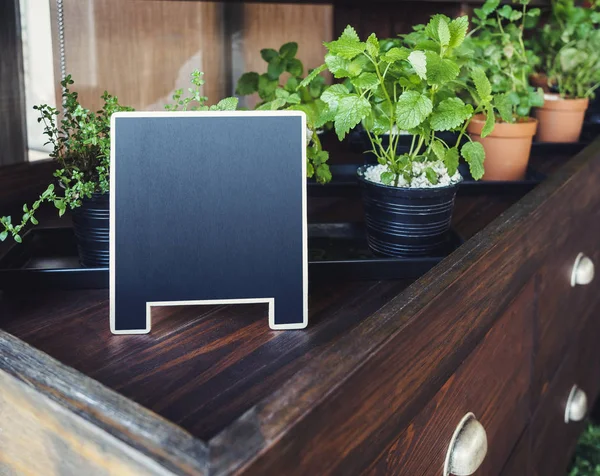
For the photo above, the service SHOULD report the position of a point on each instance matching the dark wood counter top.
(220, 374)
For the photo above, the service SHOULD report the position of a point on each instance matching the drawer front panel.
(561, 306)
(519, 463)
(38, 436)
(553, 440)
(493, 383)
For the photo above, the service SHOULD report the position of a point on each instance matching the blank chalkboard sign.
(208, 208)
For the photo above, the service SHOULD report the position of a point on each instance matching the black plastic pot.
(91, 224)
(406, 221)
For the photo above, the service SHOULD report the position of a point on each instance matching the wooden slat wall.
(271, 25)
(13, 142)
(141, 51)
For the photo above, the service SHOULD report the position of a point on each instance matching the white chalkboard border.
(267, 300)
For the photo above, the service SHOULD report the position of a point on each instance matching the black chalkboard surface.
(208, 208)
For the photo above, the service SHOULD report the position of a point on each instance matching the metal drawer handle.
(583, 271)
(467, 449)
(577, 405)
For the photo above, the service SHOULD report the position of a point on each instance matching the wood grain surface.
(327, 400)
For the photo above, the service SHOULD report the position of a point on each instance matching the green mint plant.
(569, 47)
(195, 101)
(293, 95)
(81, 145)
(499, 48)
(268, 84)
(410, 89)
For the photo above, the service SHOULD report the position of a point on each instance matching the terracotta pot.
(507, 148)
(560, 119)
(539, 80)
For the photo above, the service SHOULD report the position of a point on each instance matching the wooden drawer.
(552, 439)
(519, 463)
(561, 306)
(493, 383)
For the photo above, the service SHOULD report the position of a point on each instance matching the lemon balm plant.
(292, 95)
(80, 139)
(499, 48)
(570, 48)
(415, 90)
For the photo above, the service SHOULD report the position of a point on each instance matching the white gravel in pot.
(419, 180)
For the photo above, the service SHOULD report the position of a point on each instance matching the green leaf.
(458, 31)
(350, 111)
(281, 93)
(227, 104)
(323, 173)
(312, 75)
(536, 98)
(387, 178)
(338, 66)
(310, 170)
(443, 31)
(418, 61)
(505, 11)
(431, 175)
(450, 114)
(348, 46)
(412, 108)
(276, 68)
(432, 29)
(489, 6)
(451, 160)
(482, 84)
(365, 81)
(289, 50)
(515, 15)
(247, 84)
(3, 235)
(490, 121)
(268, 54)
(373, 45)
(273, 105)
(439, 70)
(18, 239)
(504, 105)
(295, 67)
(293, 99)
(266, 86)
(395, 54)
(438, 149)
(333, 95)
(34, 220)
(534, 12)
(474, 154)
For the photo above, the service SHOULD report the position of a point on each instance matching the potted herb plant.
(81, 147)
(408, 197)
(573, 69)
(499, 48)
(292, 96)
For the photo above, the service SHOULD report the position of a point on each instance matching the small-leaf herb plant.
(195, 101)
(499, 48)
(411, 89)
(569, 45)
(294, 94)
(81, 146)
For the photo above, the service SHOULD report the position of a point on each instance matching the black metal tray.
(47, 259)
(340, 252)
(345, 184)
